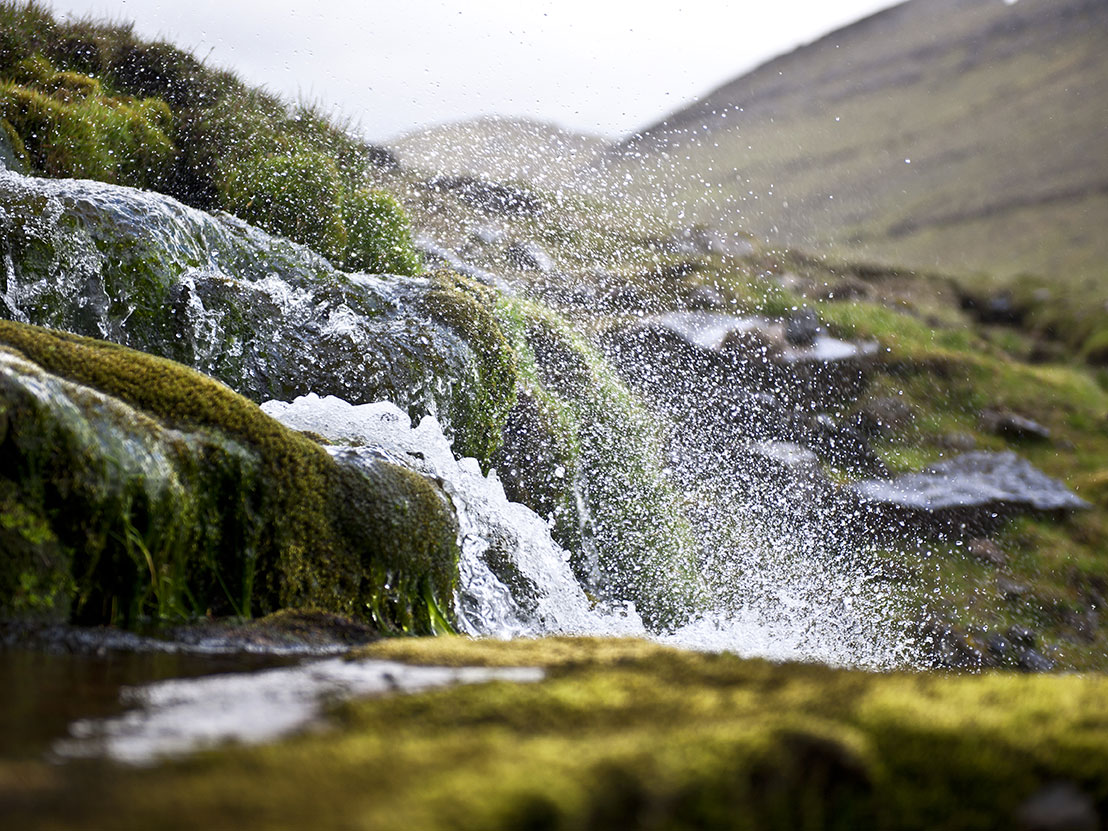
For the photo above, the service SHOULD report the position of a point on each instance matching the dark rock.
(1022, 636)
(382, 157)
(842, 445)
(987, 551)
(1012, 426)
(438, 255)
(1030, 660)
(996, 308)
(528, 256)
(754, 351)
(802, 328)
(789, 469)
(1060, 806)
(1011, 589)
(950, 647)
(971, 492)
(704, 297)
(1084, 624)
(882, 415)
(999, 647)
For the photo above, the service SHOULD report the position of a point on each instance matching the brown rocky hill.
(965, 135)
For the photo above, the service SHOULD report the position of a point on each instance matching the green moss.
(480, 413)
(69, 129)
(248, 517)
(636, 543)
(294, 195)
(625, 734)
(379, 235)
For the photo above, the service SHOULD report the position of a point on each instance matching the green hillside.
(960, 135)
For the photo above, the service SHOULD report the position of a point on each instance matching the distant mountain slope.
(969, 135)
(501, 149)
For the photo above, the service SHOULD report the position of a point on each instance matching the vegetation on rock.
(81, 99)
(136, 488)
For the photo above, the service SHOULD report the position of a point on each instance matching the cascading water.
(777, 591)
(777, 575)
(536, 592)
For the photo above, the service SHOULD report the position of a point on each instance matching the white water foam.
(786, 608)
(545, 598)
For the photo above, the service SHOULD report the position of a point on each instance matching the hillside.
(963, 135)
(501, 149)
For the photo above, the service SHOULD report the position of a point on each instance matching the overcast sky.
(597, 66)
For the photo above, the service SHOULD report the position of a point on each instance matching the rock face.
(273, 320)
(973, 491)
(135, 488)
(264, 315)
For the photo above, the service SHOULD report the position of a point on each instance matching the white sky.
(393, 66)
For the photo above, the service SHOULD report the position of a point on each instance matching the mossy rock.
(137, 488)
(468, 308)
(245, 307)
(13, 154)
(634, 541)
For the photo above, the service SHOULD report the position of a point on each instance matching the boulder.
(971, 492)
(1013, 426)
(134, 488)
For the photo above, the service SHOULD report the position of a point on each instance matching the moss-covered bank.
(136, 488)
(91, 100)
(626, 734)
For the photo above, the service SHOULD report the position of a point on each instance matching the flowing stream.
(777, 575)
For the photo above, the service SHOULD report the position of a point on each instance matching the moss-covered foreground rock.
(136, 488)
(626, 734)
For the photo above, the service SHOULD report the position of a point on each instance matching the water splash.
(775, 588)
(513, 578)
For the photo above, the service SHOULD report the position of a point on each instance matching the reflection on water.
(177, 716)
(42, 693)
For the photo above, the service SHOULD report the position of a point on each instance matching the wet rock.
(1022, 636)
(1012, 426)
(704, 298)
(788, 469)
(802, 327)
(381, 157)
(950, 647)
(118, 464)
(1031, 660)
(1060, 806)
(1083, 624)
(881, 416)
(529, 256)
(995, 308)
(987, 551)
(1000, 648)
(435, 255)
(755, 353)
(973, 491)
(842, 445)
